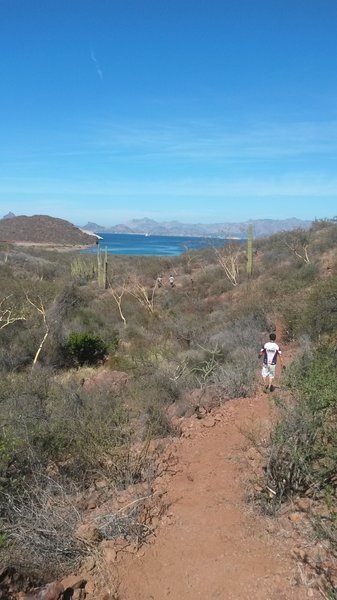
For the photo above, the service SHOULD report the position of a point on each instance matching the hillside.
(41, 229)
(141, 451)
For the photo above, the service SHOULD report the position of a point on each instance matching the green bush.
(86, 348)
(302, 451)
(320, 314)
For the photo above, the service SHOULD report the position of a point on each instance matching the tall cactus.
(102, 268)
(105, 272)
(250, 251)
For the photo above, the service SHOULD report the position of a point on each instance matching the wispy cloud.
(184, 143)
(175, 166)
(201, 141)
(301, 185)
(96, 64)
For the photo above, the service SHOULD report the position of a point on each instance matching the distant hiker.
(270, 352)
(171, 281)
(159, 281)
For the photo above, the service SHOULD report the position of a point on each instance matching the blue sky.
(201, 111)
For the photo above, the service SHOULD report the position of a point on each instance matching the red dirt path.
(212, 544)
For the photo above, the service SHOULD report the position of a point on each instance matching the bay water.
(152, 245)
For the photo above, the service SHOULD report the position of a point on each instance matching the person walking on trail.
(270, 353)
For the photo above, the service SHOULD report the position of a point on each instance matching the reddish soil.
(213, 544)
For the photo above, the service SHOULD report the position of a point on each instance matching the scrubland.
(92, 372)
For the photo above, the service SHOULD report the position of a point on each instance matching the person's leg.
(272, 369)
(265, 376)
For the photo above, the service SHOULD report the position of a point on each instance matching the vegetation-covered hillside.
(93, 368)
(43, 229)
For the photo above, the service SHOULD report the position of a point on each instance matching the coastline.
(48, 245)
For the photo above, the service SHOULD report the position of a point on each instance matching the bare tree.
(38, 305)
(8, 313)
(298, 241)
(117, 294)
(228, 259)
(140, 292)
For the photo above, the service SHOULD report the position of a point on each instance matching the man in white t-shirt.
(270, 352)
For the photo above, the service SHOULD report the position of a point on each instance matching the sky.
(201, 111)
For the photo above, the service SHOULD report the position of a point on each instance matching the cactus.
(102, 268)
(105, 274)
(83, 268)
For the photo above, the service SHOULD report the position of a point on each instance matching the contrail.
(96, 63)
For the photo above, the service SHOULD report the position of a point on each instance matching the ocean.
(152, 245)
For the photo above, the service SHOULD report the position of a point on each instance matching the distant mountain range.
(261, 227)
(42, 227)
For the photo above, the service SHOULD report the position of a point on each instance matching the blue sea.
(152, 245)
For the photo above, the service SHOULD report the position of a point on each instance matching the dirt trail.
(212, 545)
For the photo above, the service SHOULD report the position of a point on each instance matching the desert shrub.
(302, 451)
(41, 412)
(289, 278)
(243, 332)
(327, 235)
(237, 376)
(56, 437)
(87, 319)
(39, 526)
(86, 348)
(154, 386)
(301, 275)
(211, 280)
(292, 316)
(320, 313)
(227, 358)
(157, 422)
(272, 250)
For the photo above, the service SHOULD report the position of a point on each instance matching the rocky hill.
(261, 227)
(41, 229)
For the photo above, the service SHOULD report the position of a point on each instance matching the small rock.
(88, 564)
(52, 591)
(91, 504)
(323, 511)
(155, 522)
(252, 454)
(271, 527)
(109, 555)
(311, 593)
(87, 532)
(101, 483)
(208, 422)
(74, 582)
(79, 594)
(90, 587)
(303, 504)
(295, 517)
(300, 554)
